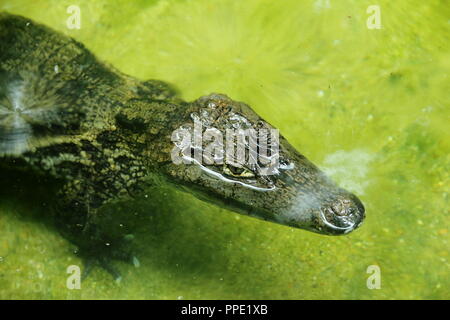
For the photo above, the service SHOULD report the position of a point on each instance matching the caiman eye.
(239, 172)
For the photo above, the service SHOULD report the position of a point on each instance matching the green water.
(370, 107)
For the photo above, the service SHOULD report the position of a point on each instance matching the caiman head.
(255, 174)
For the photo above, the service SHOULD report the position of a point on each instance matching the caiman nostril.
(342, 207)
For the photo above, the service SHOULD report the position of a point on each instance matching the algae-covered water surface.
(359, 87)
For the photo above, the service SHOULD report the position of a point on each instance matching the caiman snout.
(330, 211)
(342, 216)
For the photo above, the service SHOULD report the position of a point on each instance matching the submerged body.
(105, 137)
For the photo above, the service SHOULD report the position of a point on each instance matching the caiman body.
(104, 137)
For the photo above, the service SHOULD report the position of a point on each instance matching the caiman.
(105, 137)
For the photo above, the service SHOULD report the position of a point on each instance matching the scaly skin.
(105, 137)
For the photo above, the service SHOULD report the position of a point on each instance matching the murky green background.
(371, 107)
